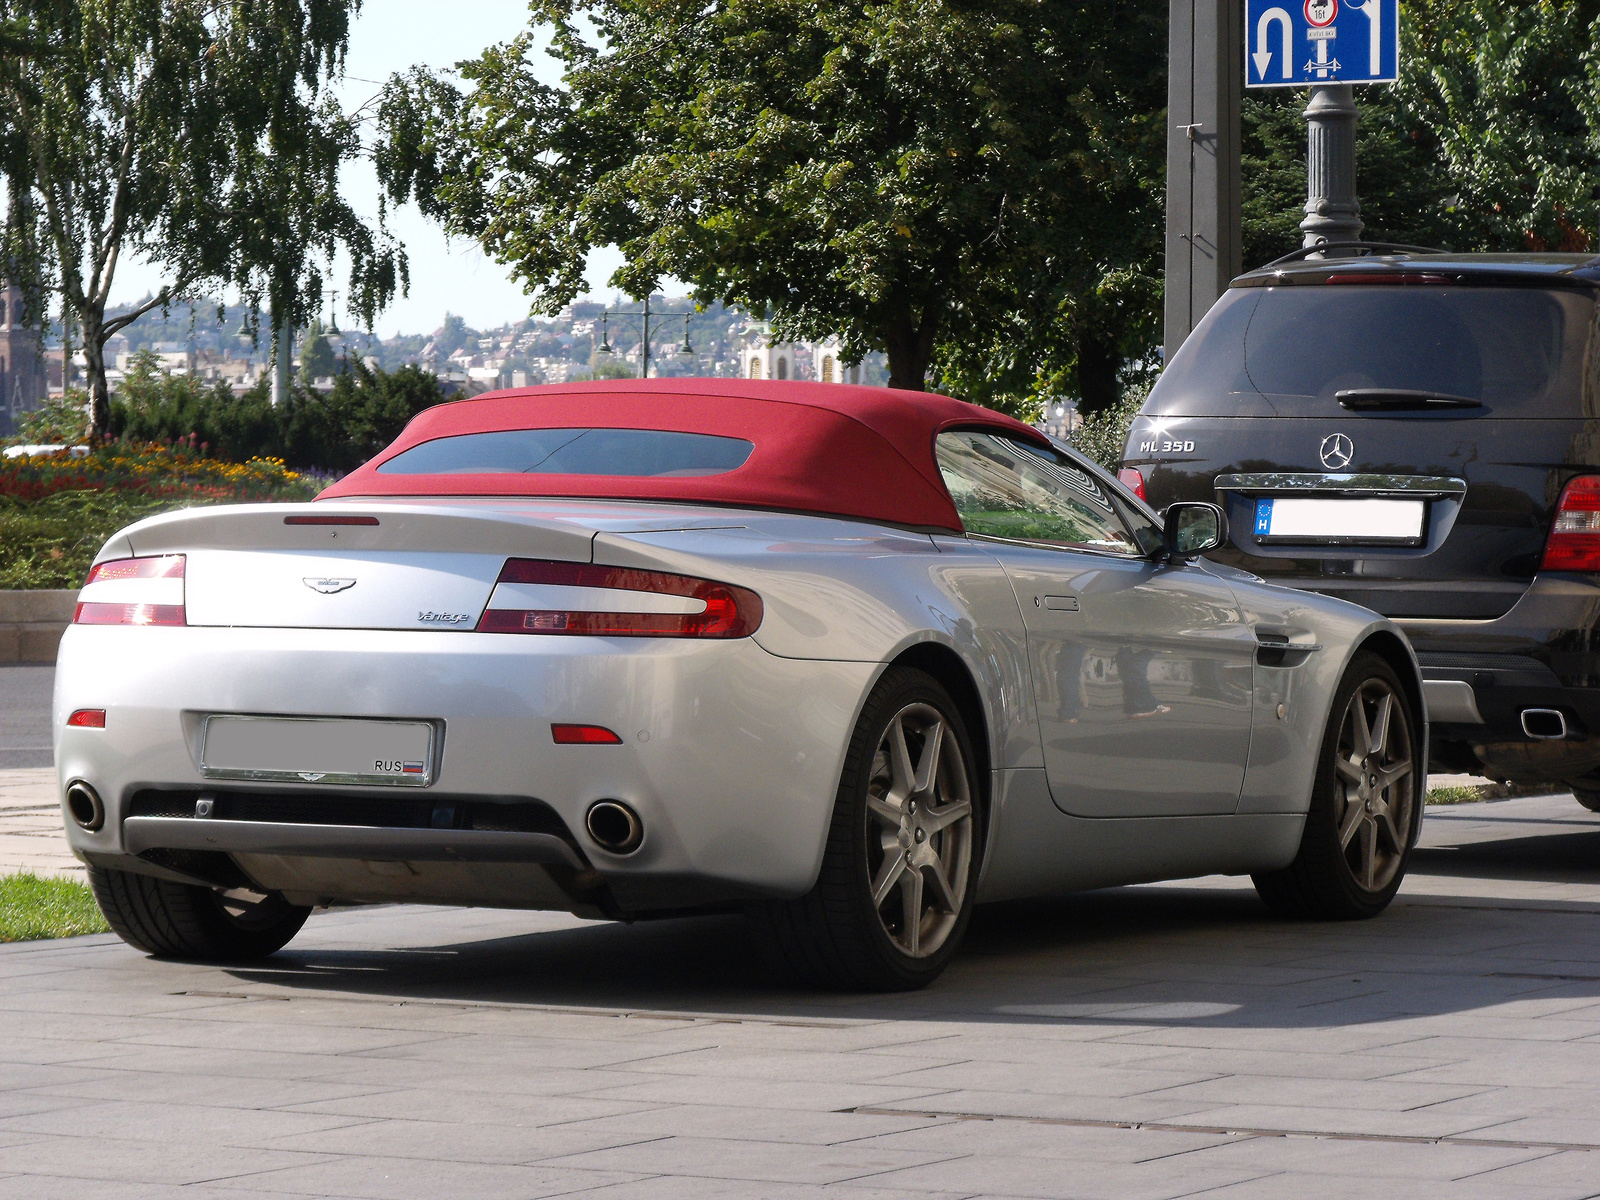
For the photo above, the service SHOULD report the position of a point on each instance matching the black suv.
(1417, 432)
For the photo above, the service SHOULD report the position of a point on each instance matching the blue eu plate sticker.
(1263, 518)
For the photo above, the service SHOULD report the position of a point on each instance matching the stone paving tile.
(1035, 1139)
(765, 1162)
(31, 835)
(142, 1161)
(802, 1094)
(694, 1187)
(765, 1125)
(988, 1076)
(1372, 1095)
(503, 1141)
(477, 1107)
(1571, 1125)
(436, 1179)
(168, 1123)
(1297, 1186)
(1403, 1064)
(1028, 1176)
(1348, 1159)
(215, 1091)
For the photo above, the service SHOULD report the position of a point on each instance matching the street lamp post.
(644, 355)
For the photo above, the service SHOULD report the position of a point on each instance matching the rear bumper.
(1482, 676)
(731, 757)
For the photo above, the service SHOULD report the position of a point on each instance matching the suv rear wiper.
(1400, 400)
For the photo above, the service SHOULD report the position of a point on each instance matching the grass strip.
(32, 907)
(1478, 793)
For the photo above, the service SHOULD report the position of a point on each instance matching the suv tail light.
(1574, 543)
(535, 596)
(133, 591)
(1131, 479)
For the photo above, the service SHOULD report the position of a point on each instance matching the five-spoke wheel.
(919, 836)
(899, 871)
(1365, 804)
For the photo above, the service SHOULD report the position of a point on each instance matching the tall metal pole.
(283, 352)
(1333, 214)
(1205, 85)
(644, 358)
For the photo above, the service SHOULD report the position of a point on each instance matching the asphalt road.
(1155, 1041)
(25, 716)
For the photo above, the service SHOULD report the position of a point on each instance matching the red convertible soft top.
(861, 452)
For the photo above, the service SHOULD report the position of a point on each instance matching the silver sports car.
(850, 659)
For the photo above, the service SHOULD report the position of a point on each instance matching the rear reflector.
(329, 520)
(1574, 543)
(584, 735)
(133, 591)
(538, 596)
(1132, 480)
(88, 718)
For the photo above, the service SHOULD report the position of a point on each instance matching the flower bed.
(57, 511)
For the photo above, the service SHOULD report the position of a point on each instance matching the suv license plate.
(318, 750)
(1341, 522)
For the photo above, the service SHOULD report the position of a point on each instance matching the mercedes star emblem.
(329, 586)
(1337, 451)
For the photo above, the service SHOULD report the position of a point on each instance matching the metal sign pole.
(1204, 94)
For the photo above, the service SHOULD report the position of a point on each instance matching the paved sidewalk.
(31, 838)
(1158, 1041)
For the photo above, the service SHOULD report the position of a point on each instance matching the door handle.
(1062, 603)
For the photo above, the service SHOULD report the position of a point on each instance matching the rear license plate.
(1341, 522)
(318, 750)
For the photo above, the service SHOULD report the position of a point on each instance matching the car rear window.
(1292, 350)
(639, 453)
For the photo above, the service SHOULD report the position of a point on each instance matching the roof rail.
(1364, 250)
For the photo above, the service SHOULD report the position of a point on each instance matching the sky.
(446, 276)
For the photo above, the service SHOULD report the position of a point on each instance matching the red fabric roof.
(823, 448)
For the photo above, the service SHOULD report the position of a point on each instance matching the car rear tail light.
(88, 718)
(536, 596)
(1574, 543)
(133, 591)
(1132, 480)
(584, 735)
(319, 519)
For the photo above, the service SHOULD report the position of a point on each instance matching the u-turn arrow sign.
(1298, 43)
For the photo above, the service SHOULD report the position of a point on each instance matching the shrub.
(1104, 435)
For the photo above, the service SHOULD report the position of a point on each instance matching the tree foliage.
(959, 184)
(1490, 141)
(199, 134)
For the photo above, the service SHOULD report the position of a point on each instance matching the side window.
(1006, 489)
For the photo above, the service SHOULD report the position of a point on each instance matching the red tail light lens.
(536, 596)
(88, 718)
(1132, 480)
(133, 591)
(1574, 543)
(584, 735)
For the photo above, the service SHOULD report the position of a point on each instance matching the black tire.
(835, 935)
(181, 920)
(1589, 799)
(1323, 883)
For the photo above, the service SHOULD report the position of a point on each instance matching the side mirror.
(1193, 528)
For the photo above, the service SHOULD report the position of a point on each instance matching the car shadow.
(1171, 954)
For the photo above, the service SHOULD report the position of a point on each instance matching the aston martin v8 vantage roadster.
(849, 659)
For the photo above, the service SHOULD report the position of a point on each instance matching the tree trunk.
(94, 354)
(1098, 365)
(909, 347)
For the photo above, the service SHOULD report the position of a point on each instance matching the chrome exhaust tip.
(614, 826)
(1544, 724)
(83, 802)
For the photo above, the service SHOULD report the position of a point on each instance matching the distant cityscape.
(586, 340)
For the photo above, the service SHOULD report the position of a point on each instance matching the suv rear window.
(638, 453)
(1291, 350)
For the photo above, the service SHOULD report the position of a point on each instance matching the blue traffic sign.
(1298, 43)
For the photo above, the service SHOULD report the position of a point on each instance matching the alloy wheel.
(1377, 784)
(919, 830)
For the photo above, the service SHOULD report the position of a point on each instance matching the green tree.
(944, 180)
(316, 355)
(198, 134)
(1490, 140)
